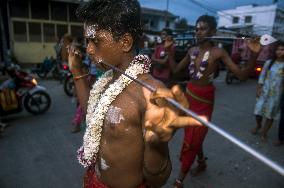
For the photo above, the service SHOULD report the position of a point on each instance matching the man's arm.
(157, 165)
(176, 68)
(243, 74)
(79, 76)
(160, 121)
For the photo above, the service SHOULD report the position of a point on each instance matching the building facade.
(31, 28)
(254, 19)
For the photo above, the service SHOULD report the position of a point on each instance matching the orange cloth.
(194, 136)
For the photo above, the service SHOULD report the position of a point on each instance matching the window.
(49, 32)
(236, 20)
(58, 11)
(72, 13)
(19, 8)
(20, 31)
(248, 19)
(39, 9)
(35, 32)
(61, 30)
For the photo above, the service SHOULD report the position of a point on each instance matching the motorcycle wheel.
(37, 103)
(229, 78)
(69, 86)
(41, 74)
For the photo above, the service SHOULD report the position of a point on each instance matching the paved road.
(39, 151)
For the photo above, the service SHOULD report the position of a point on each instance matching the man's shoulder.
(218, 52)
(150, 80)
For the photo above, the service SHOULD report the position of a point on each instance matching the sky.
(191, 11)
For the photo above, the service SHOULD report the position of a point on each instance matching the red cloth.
(194, 136)
(160, 53)
(92, 181)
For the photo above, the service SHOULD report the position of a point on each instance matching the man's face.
(163, 35)
(280, 52)
(202, 31)
(102, 47)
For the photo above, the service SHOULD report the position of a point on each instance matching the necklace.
(99, 103)
(193, 72)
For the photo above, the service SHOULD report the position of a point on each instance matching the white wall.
(262, 18)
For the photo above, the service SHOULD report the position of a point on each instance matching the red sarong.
(201, 101)
(92, 181)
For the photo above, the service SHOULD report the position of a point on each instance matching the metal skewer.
(231, 138)
(219, 37)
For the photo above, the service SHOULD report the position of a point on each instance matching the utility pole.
(167, 16)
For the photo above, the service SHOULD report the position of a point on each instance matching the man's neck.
(205, 45)
(126, 60)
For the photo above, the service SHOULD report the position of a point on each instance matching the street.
(40, 151)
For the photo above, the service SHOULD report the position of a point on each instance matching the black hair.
(210, 20)
(278, 43)
(168, 31)
(116, 16)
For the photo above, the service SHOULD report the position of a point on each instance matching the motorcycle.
(55, 67)
(230, 77)
(68, 84)
(22, 91)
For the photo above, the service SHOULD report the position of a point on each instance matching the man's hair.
(274, 57)
(210, 20)
(168, 31)
(116, 16)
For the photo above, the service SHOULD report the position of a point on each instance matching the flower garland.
(197, 74)
(99, 103)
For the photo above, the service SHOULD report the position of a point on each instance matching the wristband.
(80, 76)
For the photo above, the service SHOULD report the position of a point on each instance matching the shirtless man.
(202, 61)
(128, 128)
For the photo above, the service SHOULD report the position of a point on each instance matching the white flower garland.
(99, 103)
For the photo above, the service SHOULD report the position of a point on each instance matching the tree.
(181, 24)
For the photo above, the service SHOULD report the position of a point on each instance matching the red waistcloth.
(194, 136)
(92, 181)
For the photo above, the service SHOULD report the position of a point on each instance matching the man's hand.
(161, 118)
(75, 56)
(254, 45)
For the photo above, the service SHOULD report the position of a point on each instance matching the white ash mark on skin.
(144, 132)
(104, 165)
(114, 115)
(97, 170)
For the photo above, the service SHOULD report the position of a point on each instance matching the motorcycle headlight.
(34, 81)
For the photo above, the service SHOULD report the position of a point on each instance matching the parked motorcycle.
(230, 77)
(68, 84)
(55, 67)
(22, 91)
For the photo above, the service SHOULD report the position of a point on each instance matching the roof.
(144, 10)
(157, 12)
(68, 1)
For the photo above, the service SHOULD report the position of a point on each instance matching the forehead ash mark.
(91, 31)
(114, 115)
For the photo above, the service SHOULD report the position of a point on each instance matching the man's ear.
(126, 42)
